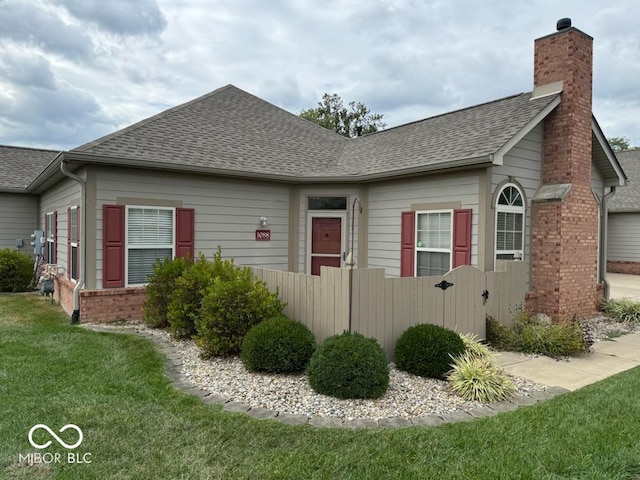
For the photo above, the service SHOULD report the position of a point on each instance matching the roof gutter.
(75, 316)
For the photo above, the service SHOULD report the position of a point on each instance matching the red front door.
(326, 243)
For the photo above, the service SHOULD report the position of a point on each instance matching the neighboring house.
(519, 178)
(18, 208)
(623, 247)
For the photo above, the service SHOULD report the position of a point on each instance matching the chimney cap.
(563, 24)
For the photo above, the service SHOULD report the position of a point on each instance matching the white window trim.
(435, 250)
(149, 246)
(73, 212)
(51, 233)
(509, 209)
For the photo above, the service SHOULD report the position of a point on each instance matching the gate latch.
(485, 297)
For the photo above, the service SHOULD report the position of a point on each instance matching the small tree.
(619, 143)
(351, 121)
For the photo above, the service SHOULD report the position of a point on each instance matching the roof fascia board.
(119, 162)
(622, 178)
(498, 157)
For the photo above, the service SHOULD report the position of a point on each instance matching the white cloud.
(83, 68)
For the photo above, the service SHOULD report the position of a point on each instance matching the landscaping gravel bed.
(407, 396)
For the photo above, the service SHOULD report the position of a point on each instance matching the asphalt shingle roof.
(19, 166)
(226, 129)
(463, 134)
(229, 129)
(627, 198)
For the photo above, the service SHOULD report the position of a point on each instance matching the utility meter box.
(37, 242)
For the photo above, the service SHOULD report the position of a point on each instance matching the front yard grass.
(137, 426)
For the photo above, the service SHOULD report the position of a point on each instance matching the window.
(509, 223)
(73, 243)
(433, 242)
(150, 237)
(50, 221)
(327, 203)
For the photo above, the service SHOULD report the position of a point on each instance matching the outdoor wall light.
(263, 222)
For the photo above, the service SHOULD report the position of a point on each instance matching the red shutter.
(407, 244)
(462, 237)
(46, 237)
(55, 237)
(69, 242)
(113, 247)
(185, 232)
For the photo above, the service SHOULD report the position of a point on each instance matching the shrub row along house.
(526, 177)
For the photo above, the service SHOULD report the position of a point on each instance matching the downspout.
(604, 230)
(75, 316)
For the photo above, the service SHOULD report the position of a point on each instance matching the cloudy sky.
(74, 70)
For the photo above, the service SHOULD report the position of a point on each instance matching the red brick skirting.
(631, 268)
(100, 306)
(111, 304)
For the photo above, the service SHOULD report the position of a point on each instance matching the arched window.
(510, 223)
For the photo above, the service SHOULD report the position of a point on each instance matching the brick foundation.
(63, 293)
(630, 268)
(111, 304)
(100, 306)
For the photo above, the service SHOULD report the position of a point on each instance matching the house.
(523, 178)
(19, 213)
(623, 247)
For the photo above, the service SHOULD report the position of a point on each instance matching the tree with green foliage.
(349, 121)
(619, 143)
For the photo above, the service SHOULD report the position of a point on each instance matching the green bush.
(426, 350)
(529, 335)
(479, 379)
(16, 271)
(278, 345)
(622, 310)
(500, 336)
(186, 299)
(229, 309)
(349, 366)
(162, 284)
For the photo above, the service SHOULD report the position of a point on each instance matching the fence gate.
(464, 294)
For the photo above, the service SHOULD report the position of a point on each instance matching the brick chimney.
(564, 275)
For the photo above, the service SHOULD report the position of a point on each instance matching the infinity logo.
(58, 439)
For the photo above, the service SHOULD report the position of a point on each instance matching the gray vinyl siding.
(58, 199)
(597, 181)
(388, 200)
(227, 212)
(624, 237)
(18, 220)
(522, 163)
(304, 249)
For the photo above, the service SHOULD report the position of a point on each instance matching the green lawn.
(137, 426)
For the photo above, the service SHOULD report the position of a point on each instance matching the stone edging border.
(179, 380)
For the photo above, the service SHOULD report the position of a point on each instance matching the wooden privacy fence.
(384, 308)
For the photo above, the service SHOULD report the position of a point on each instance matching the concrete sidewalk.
(608, 358)
(624, 286)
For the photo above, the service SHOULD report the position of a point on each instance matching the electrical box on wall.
(37, 242)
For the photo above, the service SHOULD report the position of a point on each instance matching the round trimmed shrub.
(277, 345)
(426, 350)
(16, 271)
(349, 366)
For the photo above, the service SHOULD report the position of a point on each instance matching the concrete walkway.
(608, 358)
(624, 286)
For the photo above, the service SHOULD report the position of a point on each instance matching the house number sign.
(263, 235)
